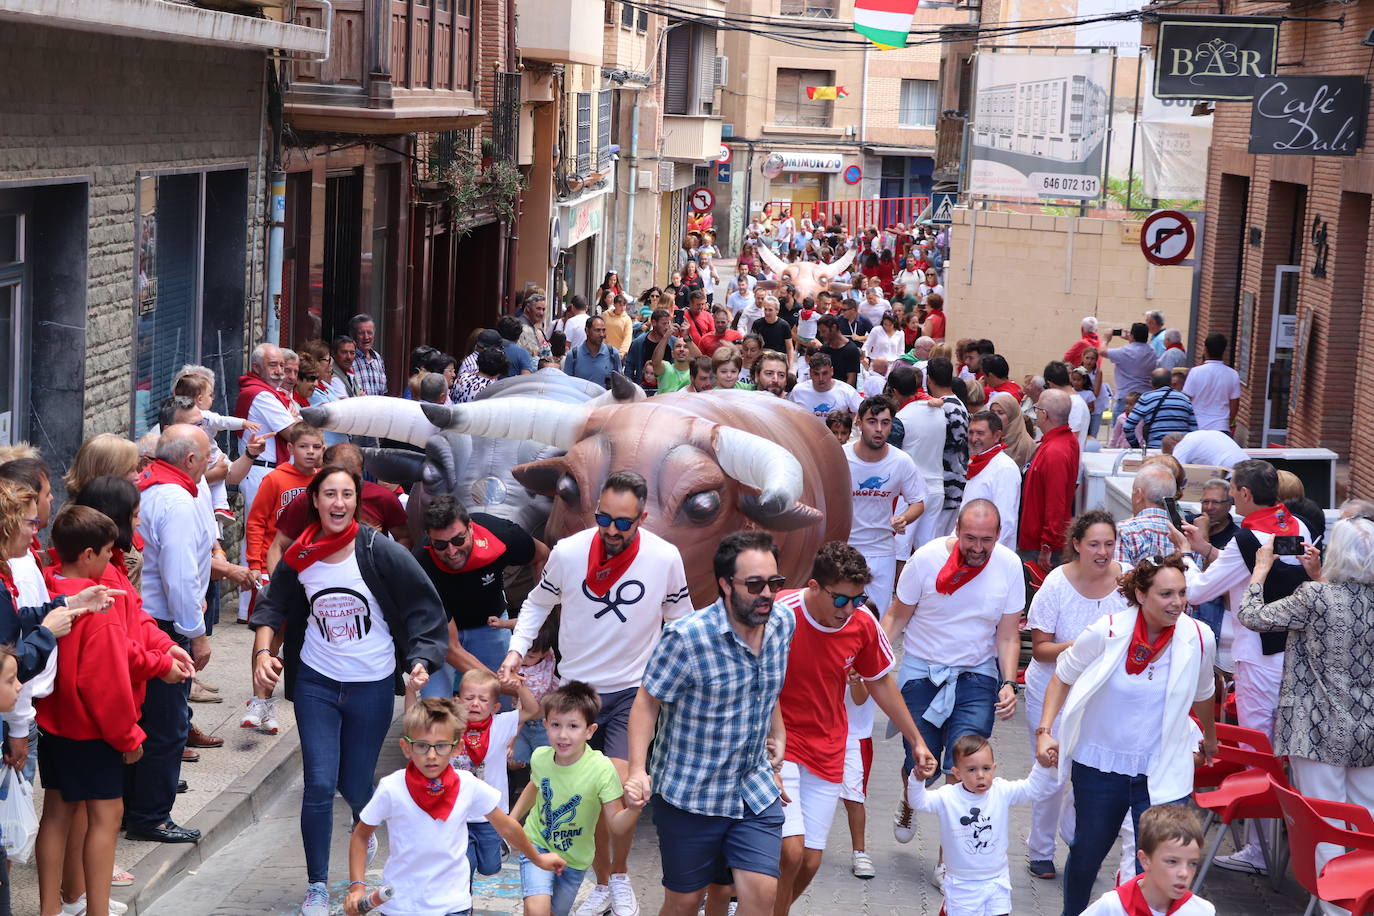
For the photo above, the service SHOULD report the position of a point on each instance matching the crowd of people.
(544, 724)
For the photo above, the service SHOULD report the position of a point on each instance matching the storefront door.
(1282, 335)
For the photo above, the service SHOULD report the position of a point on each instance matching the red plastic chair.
(1210, 776)
(1347, 880)
(1247, 794)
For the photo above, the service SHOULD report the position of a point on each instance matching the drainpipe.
(632, 163)
(276, 214)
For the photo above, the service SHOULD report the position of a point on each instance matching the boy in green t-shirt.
(569, 787)
(678, 375)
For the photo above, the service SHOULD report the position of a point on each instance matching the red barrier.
(857, 215)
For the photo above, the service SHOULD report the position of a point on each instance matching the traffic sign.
(723, 172)
(724, 154)
(701, 200)
(853, 174)
(1166, 237)
(942, 207)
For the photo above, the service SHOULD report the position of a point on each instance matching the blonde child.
(198, 384)
(1170, 844)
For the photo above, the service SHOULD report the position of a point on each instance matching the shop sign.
(1214, 57)
(812, 162)
(1308, 115)
(583, 220)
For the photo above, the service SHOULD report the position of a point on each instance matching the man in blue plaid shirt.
(1146, 534)
(368, 365)
(716, 676)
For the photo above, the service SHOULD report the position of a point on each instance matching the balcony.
(561, 31)
(691, 138)
(156, 19)
(395, 67)
(949, 148)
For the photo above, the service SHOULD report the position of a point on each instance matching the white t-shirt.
(1080, 415)
(1212, 386)
(1109, 904)
(925, 440)
(1209, 446)
(924, 291)
(959, 629)
(574, 329)
(492, 771)
(873, 311)
(807, 327)
(873, 384)
(346, 636)
(427, 864)
(876, 486)
(1000, 483)
(273, 417)
(840, 396)
(880, 345)
(1062, 611)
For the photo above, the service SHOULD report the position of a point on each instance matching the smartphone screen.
(1171, 505)
(1287, 545)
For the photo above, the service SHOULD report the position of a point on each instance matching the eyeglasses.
(604, 520)
(458, 541)
(310, 378)
(756, 584)
(443, 748)
(841, 600)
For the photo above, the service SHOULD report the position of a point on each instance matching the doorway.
(1278, 387)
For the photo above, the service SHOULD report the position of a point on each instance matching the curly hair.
(1078, 528)
(14, 497)
(1142, 577)
(837, 562)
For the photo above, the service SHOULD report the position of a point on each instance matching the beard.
(750, 610)
(614, 544)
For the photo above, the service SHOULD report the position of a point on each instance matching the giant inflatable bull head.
(715, 462)
(809, 277)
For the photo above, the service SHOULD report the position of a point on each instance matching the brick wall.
(103, 108)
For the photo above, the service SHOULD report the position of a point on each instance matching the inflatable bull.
(716, 462)
(809, 277)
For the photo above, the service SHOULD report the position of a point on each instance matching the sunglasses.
(310, 378)
(604, 520)
(841, 600)
(756, 584)
(458, 541)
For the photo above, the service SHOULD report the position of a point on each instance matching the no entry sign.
(1166, 237)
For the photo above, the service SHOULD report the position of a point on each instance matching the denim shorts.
(484, 848)
(700, 849)
(975, 698)
(531, 736)
(563, 888)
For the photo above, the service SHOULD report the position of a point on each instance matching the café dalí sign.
(1308, 115)
(1215, 58)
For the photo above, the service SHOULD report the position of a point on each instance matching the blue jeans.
(534, 881)
(484, 849)
(1100, 802)
(342, 727)
(531, 736)
(975, 698)
(488, 644)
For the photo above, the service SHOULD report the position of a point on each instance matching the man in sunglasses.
(466, 557)
(880, 474)
(835, 635)
(618, 585)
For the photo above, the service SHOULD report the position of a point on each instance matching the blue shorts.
(531, 737)
(700, 849)
(562, 889)
(975, 699)
(484, 849)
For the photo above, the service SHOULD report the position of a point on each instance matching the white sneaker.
(862, 866)
(1249, 860)
(78, 907)
(316, 902)
(268, 717)
(598, 902)
(903, 822)
(937, 877)
(623, 901)
(252, 713)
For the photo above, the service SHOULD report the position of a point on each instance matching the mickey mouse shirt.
(567, 803)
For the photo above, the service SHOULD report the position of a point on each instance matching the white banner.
(1040, 124)
(1174, 144)
(1122, 34)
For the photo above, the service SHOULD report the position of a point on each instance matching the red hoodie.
(103, 669)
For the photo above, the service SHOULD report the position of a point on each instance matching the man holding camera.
(1134, 362)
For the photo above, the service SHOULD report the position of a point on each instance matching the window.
(610, 13)
(919, 98)
(642, 24)
(627, 16)
(584, 132)
(816, 9)
(603, 129)
(793, 108)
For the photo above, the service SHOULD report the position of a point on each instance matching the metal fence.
(857, 215)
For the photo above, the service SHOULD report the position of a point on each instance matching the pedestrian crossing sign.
(942, 208)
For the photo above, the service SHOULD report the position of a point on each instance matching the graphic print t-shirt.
(567, 803)
(876, 486)
(346, 636)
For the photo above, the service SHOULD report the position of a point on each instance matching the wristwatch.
(1012, 684)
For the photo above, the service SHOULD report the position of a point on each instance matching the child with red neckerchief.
(1170, 847)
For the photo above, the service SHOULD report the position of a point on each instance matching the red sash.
(436, 797)
(604, 571)
(306, 550)
(1271, 520)
(976, 463)
(1142, 651)
(161, 472)
(955, 574)
(1133, 900)
(477, 739)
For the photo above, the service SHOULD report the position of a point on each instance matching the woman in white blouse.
(1072, 596)
(885, 341)
(1126, 687)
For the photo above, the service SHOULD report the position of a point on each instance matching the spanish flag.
(884, 22)
(822, 93)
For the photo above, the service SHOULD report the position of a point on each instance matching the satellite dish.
(772, 166)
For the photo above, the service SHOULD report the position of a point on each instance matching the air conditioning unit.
(722, 70)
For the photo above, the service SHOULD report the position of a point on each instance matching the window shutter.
(706, 68)
(603, 130)
(677, 75)
(584, 133)
(785, 110)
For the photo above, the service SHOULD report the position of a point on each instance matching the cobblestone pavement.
(262, 870)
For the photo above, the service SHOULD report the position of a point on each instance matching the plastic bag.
(18, 820)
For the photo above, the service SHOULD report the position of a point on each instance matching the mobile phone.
(1287, 545)
(1171, 505)
(679, 316)
(1119, 332)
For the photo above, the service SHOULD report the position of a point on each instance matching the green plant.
(475, 191)
(1117, 200)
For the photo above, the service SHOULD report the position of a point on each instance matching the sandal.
(121, 878)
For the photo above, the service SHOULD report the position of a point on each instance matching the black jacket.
(414, 614)
(22, 628)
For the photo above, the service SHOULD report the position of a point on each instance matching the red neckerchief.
(1142, 651)
(955, 574)
(252, 385)
(307, 550)
(138, 541)
(304, 402)
(160, 472)
(1133, 899)
(436, 797)
(477, 739)
(914, 397)
(487, 548)
(976, 463)
(1173, 346)
(1271, 520)
(604, 571)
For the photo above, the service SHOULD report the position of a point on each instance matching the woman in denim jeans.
(1126, 687)
(357, 612)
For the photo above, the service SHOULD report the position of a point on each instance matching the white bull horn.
(543, 421)
(776, 264)
(837, 268)
(762, 464)
(373, 415)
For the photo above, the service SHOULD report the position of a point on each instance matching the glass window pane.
(9, 333)
(11, 238)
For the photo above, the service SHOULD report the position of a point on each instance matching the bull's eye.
(568, 490)
(703, 506)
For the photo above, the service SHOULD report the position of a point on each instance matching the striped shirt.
(718, 697)
(1165, 411)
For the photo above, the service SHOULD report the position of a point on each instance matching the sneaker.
(598, 902)
(316, 902)
(623, 900)
(1248, 860)
(937, 878)
(268, 718)
(904, 822)
(863, 865)
(78, 907)
(1041, 868)
(252, 715)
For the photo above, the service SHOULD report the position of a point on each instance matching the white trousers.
(1343, 784)
(884, 570)
(248, 487)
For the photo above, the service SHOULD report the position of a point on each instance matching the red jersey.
(818, 666)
